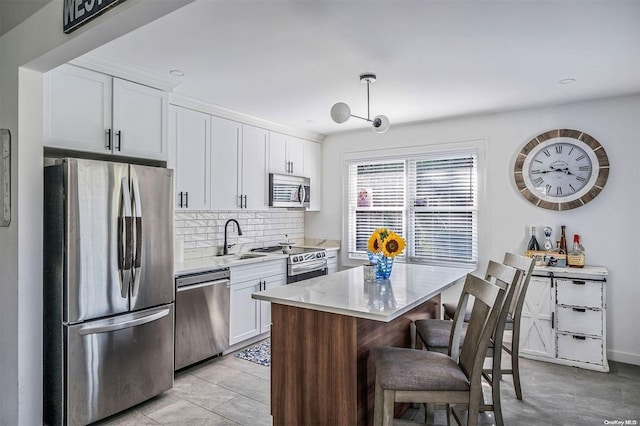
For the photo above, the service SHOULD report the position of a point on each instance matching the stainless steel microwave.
(289, 191)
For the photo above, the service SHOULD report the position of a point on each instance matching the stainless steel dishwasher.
(202, 316)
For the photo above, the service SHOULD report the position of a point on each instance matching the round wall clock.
(561, 169)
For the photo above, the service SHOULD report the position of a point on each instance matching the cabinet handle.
(553, 317)
(579, 309)
(109, 139)
(245, 202)
(579, 337)
(180, 204)
(186, 199)
(119, 134)
(577, 282)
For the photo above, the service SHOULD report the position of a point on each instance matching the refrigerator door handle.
(125, 230)
(137, 254)
(109, 326)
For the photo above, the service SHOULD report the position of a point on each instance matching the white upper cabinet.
(313, 169)
(139, 120)
(225, 164)
(254, 191)
(286, 154)
(190, 134)
(88, 111)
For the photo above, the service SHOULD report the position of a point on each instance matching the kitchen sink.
(235, 257)
(250, 256)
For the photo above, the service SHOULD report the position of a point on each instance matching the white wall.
(38, 44)
(608, 224)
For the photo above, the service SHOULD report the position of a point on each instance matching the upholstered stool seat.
(422, 371)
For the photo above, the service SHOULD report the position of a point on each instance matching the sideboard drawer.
(579, 320)
(577, 292)
(580, 348)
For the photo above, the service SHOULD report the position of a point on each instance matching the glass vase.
(383, 265)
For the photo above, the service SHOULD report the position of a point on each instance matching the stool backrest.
(525, 265)
(489, 300)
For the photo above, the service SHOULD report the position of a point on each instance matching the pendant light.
(341, 112)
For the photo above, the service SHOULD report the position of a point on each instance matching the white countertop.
(209, 263)
(346, 293)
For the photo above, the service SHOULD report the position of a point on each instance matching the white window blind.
(429, 199)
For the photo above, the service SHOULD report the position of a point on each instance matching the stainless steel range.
(303, 262)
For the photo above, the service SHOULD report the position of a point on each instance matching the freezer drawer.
(116, 363)
(202, 320)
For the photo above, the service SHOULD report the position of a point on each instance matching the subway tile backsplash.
(202, 230)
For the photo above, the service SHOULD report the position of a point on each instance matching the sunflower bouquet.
(383, 246)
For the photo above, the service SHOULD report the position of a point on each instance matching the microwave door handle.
(301, 194)
(124, 238)
(304, 194)
(137, 254)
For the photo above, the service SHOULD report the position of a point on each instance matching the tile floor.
(231, 391)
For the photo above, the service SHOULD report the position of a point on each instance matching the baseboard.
(625, 357)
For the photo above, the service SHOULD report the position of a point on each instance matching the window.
(430, 199)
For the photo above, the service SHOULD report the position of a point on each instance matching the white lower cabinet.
(332, 261)
(564, 317)
(250, 317)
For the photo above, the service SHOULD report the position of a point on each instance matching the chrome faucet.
(225, 249)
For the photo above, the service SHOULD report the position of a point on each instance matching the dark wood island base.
(320, 372)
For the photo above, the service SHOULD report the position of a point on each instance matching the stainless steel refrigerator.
(108, 288)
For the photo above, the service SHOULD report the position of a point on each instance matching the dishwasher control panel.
(191, 279)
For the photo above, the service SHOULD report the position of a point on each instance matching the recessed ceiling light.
(177, 73)
(567, 81)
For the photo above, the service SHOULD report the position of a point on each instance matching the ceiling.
(288, 62)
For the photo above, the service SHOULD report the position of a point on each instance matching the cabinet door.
(254, 167)
(295, 156)
(225, 172)
(193, 168)
(278, 153)
(244, 317)
(537, 333)
(77, 109)
(313, 168)
(265, 307)
(140, 119)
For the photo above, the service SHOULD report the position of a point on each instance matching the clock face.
(561, 169)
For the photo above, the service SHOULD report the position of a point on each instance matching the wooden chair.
(435, 334)
(525, 265)
(410, 375)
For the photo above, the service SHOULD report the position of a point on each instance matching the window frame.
(409, 153)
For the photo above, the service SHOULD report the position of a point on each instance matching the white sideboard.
(564, 317)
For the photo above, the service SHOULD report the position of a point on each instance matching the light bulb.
(380, 124)
(340, 112)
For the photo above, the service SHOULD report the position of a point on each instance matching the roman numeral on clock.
(558, 149)
(580, 157)
(538, 181)
(584, 168)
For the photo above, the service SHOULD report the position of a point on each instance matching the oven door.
(304, 271)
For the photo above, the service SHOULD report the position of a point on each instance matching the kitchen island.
(322, 330)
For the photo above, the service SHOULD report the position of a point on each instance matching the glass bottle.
(576, 257)
(533, 242)
(563, 240)
(548, 244)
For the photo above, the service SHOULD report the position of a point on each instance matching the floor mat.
(260, 353)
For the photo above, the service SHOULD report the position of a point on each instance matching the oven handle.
(308, 266)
